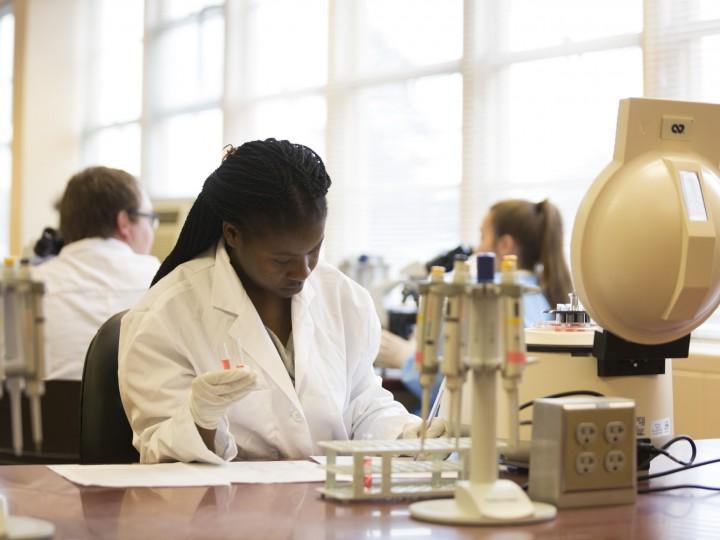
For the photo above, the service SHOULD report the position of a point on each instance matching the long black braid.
(260, 184)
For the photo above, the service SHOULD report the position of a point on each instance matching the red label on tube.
(516, 357)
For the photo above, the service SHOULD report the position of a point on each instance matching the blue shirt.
(534, 305)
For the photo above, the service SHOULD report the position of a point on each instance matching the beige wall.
(47, 114)
(696, 392)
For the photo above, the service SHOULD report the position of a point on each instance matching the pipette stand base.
(22, 528)
(26, 528)
(501, 502)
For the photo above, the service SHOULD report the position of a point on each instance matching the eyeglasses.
(152, 216)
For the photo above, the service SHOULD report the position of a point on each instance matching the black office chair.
(105, 434)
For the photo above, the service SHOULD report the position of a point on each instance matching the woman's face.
(505, 245)
(278, 262)
(487, 235)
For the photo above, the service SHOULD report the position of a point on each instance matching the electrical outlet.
(585, 433)
(585, 463)
(614, 432)
(583, 451)
(614, 461)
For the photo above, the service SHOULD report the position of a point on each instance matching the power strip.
(583, 451)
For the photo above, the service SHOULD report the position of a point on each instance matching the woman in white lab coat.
(244, 283)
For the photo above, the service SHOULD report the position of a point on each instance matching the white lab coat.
(87, 283)
(181, 329)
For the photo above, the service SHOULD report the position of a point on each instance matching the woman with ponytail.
(534, 233)
(247, 346)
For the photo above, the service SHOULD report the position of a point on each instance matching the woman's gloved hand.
(436, 428)
(211, 394)
(394, 350)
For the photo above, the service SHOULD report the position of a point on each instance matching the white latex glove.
(211, 394)
(394, 350)
(436, 428)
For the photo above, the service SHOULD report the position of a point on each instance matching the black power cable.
(654, 452)
(679, 486)
(685, 466)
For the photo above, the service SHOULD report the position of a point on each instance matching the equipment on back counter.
(446, 259)
(397, 312)
(401, 318)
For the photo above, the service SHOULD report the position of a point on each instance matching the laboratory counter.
(297, 511)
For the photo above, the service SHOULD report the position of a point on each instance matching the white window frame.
(151, 115)
(91, 127)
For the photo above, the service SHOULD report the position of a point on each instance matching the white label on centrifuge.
(692, 196)
(639, 426)
(661, 427)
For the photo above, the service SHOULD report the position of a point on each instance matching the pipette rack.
(381, 470)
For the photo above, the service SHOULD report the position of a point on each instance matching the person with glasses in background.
(107, 228)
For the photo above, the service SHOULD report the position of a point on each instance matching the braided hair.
(258, 185)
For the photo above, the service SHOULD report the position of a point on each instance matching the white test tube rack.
(381, 470)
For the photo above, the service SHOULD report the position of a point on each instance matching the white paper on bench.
(191, 474)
